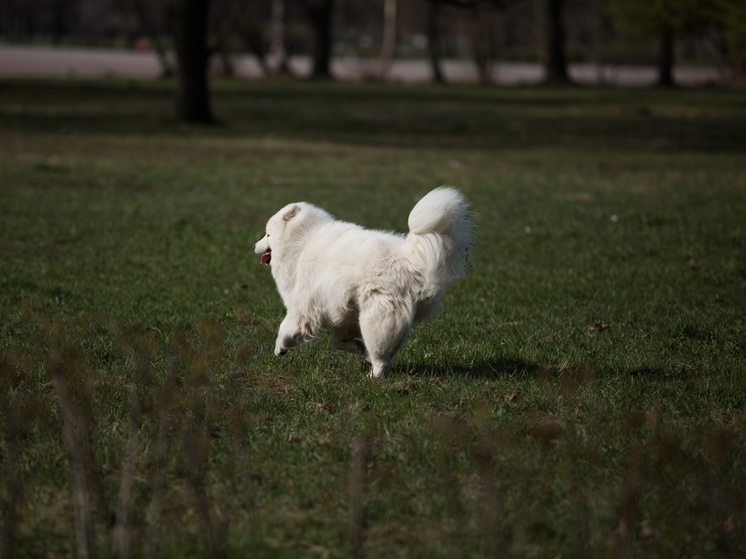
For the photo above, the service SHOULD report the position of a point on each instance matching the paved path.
(25, 61)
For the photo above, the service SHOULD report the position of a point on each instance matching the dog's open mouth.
(267, 256)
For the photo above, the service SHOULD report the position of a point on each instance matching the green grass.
(582, 392)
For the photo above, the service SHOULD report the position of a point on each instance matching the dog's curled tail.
(440, 226)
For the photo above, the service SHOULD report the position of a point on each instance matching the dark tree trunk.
(433, 40)
(60, 18)
(554, 37)
(193, 96)
(320, 14)
(486, 26)
(665, 57)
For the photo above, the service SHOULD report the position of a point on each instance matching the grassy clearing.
(581, 394)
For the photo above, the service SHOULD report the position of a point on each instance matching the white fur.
(362, 283)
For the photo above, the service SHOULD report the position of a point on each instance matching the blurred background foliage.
(602, 31)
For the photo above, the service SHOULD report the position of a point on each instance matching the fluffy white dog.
(361, 283)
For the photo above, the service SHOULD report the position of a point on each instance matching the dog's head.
(276, 232)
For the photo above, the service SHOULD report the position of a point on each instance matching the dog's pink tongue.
(266, 257)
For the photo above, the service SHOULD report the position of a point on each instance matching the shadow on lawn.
(462, 117)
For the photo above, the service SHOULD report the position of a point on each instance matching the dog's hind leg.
(384, 335)
(288, 336)
(344, 338)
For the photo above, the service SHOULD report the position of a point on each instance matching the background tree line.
(552, 32)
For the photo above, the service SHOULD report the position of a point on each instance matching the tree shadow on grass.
(445, 118)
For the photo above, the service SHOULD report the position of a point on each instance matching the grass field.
(581, 394)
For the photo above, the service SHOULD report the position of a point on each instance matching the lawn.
(582, 393)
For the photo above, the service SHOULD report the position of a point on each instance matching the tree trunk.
(665, 57)
(554, 43)
(193, 97)
(277, 44)
(320, 14)
(486, 26)
(60, 14)
(255, 44)
(433, 38)
(388, 43)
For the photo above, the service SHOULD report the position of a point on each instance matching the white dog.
(361, 283)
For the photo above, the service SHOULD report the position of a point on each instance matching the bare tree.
(654, 20)
(553, 36)
(434, 40)
(193, 96)
(62, 13)
(320, 14)
(237, 24)
(485, 31)
(277, 45)
(388, 43)
(482, 33)
(665, 60)
(730, 19)
(665, 20)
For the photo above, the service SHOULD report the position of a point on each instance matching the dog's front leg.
(288, 336)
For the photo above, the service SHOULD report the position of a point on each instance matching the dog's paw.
(379, 370)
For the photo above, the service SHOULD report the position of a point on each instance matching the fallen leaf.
(510, 397)
(598, 327)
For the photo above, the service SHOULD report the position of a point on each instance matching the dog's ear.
(291, 213)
